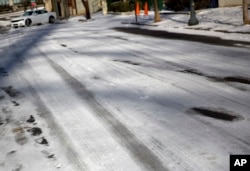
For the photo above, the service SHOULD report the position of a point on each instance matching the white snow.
(108, 100)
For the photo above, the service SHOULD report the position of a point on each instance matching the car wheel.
(28, 22)
(51, 19)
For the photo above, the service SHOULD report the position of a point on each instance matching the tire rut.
(124, 136)
(57, 130)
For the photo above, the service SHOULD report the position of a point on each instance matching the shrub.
(201, 4)
(178, 5)
(120, 6)
(175, 5)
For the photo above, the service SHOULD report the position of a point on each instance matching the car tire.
(51, 19)
(28, 22)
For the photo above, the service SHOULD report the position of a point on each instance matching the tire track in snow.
(125, 137)
(156, 76)
(72, 155)
(45, 112)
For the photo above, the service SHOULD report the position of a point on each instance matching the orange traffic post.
(146, 8)
(137, 8)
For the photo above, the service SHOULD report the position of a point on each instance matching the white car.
(32, 17)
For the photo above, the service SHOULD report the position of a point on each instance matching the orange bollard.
(146, 8)
(137, 8)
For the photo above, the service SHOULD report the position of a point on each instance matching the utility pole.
(245, 12)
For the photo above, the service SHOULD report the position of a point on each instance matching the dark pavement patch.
(220, 114)
(35, 131)
(42, 140)
(31, 119)
(12, 92)
(228, 79)
(128, 62)
(181, 36)
(192, 71)
(236, 79)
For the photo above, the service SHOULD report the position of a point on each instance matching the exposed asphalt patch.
(181, 36)
(15, 103)
(128, 62)
(11, 91)
(42, 140)
(35, 131)
(31, 119)
(117, 37)
(11, 152)
(96, 78)
(63, 45)
(192, 71)
(199, 28)
(1, 121)
(220, 114)
(51, 156)
(3, 72)
(235, 79)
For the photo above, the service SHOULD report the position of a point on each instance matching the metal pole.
(135, 11)
(193, 20)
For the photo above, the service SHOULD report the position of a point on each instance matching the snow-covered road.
(119, 101)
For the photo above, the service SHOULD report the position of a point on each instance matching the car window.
(28, 13)
(38, 12)
(44, 11)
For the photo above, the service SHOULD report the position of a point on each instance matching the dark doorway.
(214, 4)
(59, 9)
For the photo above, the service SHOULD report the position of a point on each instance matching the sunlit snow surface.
(109, 100)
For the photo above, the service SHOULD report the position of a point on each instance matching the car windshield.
(28, 13)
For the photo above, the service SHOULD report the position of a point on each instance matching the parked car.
(32, 17)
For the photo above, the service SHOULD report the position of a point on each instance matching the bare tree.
(156, 10)
(245, 12)
(87, 11)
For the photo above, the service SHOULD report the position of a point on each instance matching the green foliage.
(178, 5)
(201, 4)
(120, 7)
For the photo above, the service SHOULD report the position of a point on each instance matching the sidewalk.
(226, 23)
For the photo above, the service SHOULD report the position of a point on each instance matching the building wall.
(67, 9)
(228, 3)
(48, 5)
(6, 2)
(79, 7)
(94, 5)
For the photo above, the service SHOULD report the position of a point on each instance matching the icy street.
(109, 98)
